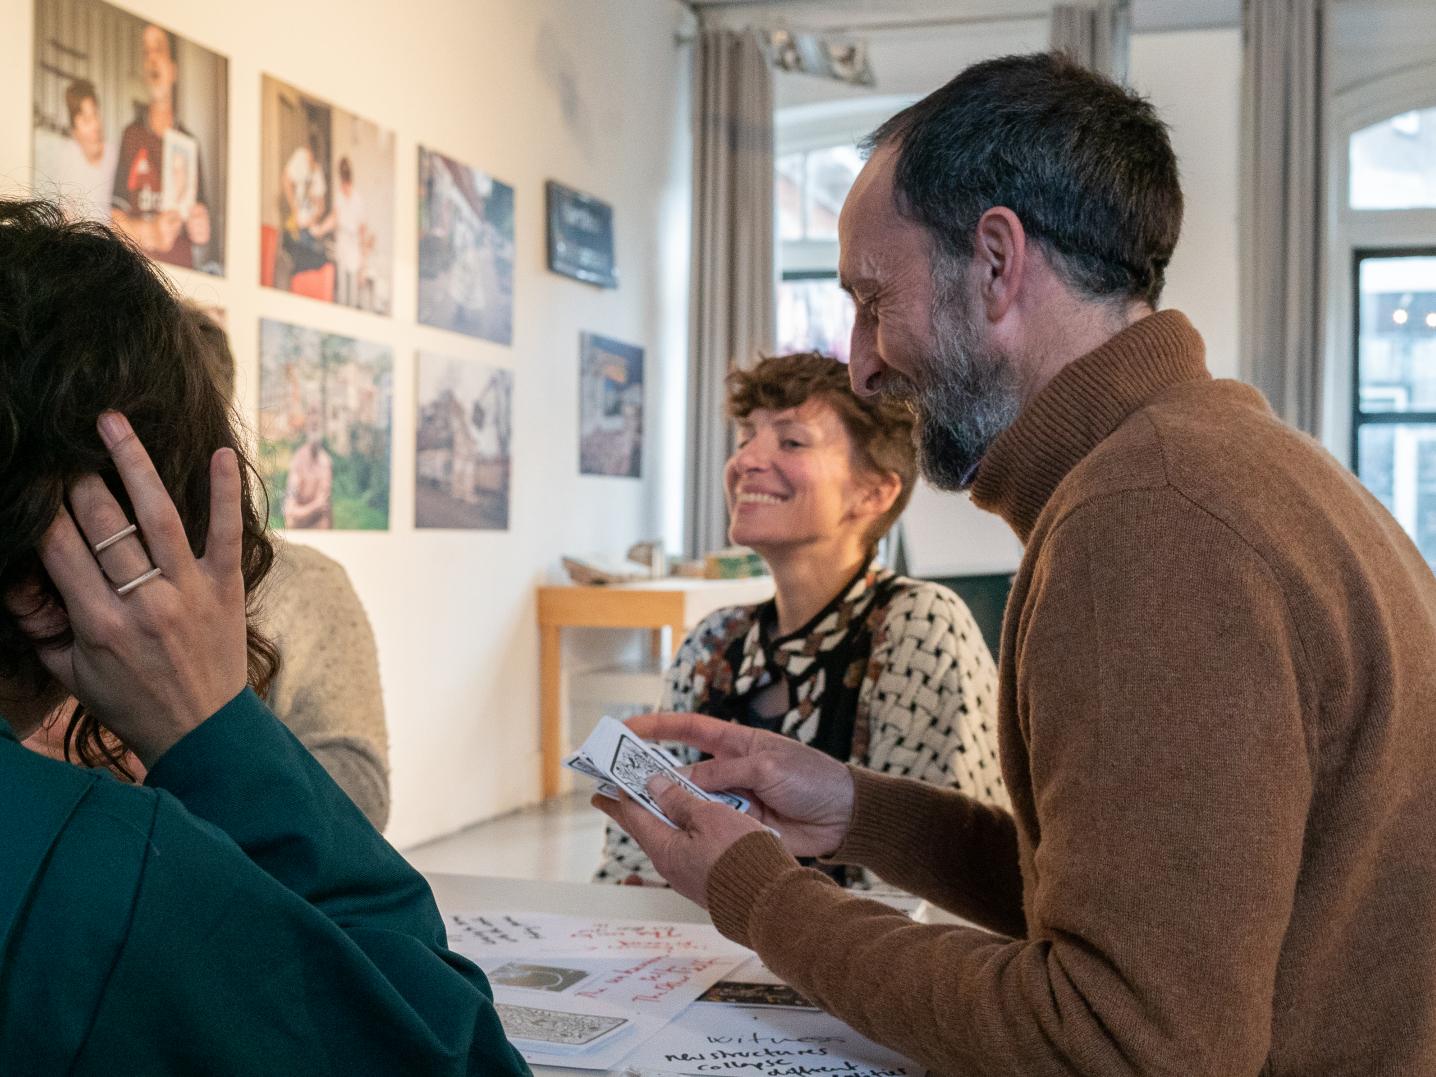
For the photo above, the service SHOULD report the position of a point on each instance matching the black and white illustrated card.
(630, 763)
(556, 1028)
(585, 766)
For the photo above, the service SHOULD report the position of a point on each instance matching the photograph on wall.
(325, 421)
(326, 216)
(466, 249)
(131, 129)
(462, 460)
(610, 403)
(580, 236)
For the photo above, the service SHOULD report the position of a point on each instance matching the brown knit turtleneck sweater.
(1218, 687)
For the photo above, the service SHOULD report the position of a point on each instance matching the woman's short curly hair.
(880, 428)
(87, 325)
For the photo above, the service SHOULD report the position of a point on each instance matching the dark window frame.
(1361, 418)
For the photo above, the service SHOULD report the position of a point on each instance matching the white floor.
(557, 841)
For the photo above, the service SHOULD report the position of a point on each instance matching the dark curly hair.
(87, 324)
(880, 428)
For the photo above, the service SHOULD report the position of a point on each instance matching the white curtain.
(1097, 36)
(733, 282)
(1282, 206)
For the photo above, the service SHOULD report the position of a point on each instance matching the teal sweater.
(238, 915)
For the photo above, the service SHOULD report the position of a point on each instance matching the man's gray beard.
(963, 395)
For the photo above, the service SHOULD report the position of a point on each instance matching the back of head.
(88, 325)
(1085, 164)
(879, 427)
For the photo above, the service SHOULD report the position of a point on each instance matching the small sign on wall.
(580, 236)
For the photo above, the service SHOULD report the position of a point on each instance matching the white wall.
(1194, 77)
(1371, 39)
(591, 92)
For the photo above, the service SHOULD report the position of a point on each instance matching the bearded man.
(1217, 671)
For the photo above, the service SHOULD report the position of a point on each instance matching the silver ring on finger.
(139, 581)
(123, 533)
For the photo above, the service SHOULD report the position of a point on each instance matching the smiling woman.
(872, 668)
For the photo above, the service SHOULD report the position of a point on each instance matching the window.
(814, 314)
(816, 162)
(1381, 313)
(1393, 163)
(811, 187)
(1394, 405)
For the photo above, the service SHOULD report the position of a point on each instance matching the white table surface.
(477, 893)
(481, 893)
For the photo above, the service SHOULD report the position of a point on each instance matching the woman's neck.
(808, 579)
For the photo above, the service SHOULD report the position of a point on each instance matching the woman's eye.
(790, 443)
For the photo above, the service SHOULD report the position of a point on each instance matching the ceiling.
(1147, 15)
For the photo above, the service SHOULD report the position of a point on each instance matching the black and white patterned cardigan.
(893, 675)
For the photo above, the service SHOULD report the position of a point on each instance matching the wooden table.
(676, 604)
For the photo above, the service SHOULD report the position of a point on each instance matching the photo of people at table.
(326, 201)
(131, 129)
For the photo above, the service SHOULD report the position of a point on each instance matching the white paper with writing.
(738, 1041)
(563, 981)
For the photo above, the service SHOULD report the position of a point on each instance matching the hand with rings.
(158, 636)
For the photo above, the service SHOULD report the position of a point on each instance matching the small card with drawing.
(556, 1029)
(629, 762)
(537, 977)
(581, 763)
(738, 993)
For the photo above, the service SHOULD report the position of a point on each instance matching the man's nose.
(865, 366)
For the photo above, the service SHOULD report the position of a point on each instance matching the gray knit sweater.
(327, 690)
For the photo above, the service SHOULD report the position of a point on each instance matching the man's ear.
(1000, 249)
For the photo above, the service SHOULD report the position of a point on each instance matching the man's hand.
(155, 663)
(685, 857)
(803, 794)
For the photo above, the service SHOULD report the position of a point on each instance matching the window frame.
(1362, 231)
(1358, 417)
(809, 128)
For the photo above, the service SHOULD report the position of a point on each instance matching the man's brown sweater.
(1217, 693)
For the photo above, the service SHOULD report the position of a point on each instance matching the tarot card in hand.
(585, 766)
(632, 762)
(555, 1028)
